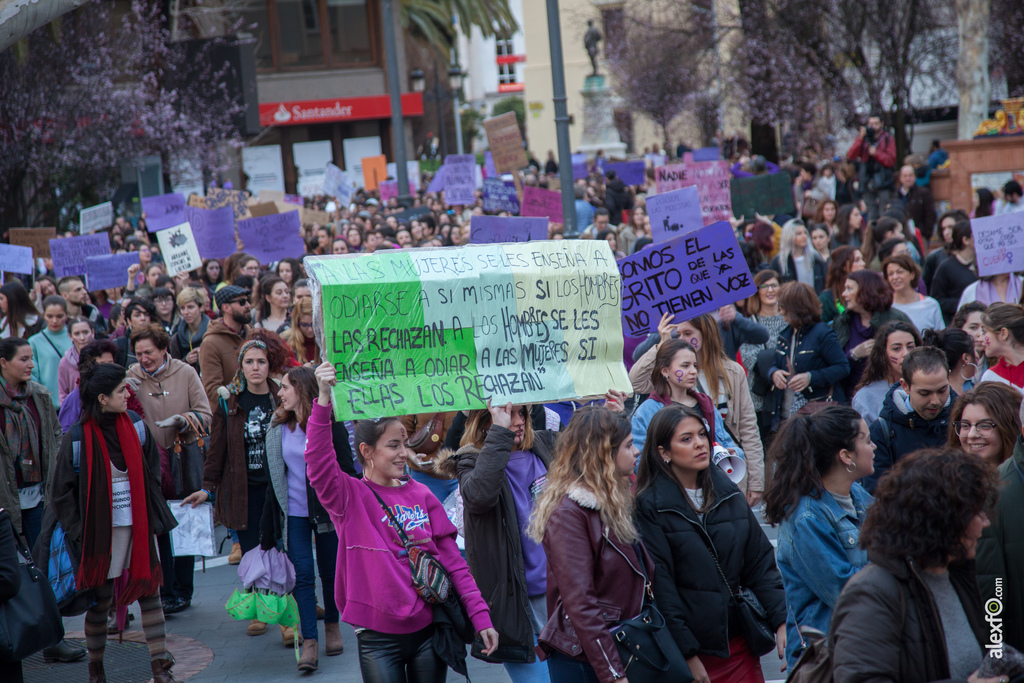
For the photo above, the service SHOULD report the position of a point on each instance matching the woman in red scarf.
(106, 495)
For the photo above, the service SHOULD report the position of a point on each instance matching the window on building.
(303, 34)
(506, 74)
(503, 47)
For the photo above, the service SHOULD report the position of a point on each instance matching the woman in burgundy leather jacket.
(584, 518)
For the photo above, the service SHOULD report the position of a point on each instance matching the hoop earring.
(973, 365)
(851, 468)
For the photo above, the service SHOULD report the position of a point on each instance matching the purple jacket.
(373, 583)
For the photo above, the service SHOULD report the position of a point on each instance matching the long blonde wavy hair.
(585, 457)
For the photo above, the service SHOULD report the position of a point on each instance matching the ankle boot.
(96, 672)
(334, 644)
(160, 674)
(309, 659)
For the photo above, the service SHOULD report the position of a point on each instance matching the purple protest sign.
(540, 202)
(104, 272)
(16, 259)
(706, 154)
(712, 181)
(460, 179)
(674, 213)
(164, 211)
(214, 230)
(999, 243)
(490, 170)
(437, 182)
(687, 276)
(630, 172)
(498, 229)
(579, 166)
(272, 238)
(69, 253)
(500, 195)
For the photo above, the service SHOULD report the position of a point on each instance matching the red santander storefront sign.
(337, 109)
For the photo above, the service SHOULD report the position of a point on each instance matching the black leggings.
(400, 657)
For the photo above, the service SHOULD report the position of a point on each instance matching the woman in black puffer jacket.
(685, 507)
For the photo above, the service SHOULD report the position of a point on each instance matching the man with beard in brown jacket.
(218, 353)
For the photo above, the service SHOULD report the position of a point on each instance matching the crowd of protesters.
(872, 387)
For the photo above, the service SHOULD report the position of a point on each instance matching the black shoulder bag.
(647, 649)
(30, 620)
(753, 616)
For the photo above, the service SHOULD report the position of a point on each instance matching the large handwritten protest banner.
(695, 273)
(499, 229)
(95, 218)
(104, 272)
(500, 195)
(674, 213)
(15, 259)
(69, 253)
(272, 238)
(711, 179)
(424, 330)
(38, 239)
(506, 142)
(629, 172)
(999, 243)
(178, 247)
(770, 194)
(460, 179)
(164, 211)
(540, 202)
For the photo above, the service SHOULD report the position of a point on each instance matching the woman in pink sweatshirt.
(373, 582)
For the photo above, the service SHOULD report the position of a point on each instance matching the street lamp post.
(397, 125)
(561, 122)
(439, 96)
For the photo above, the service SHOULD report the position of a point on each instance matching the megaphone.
(733, 465)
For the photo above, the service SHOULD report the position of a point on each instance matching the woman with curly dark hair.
(844, 261)
(914, 614)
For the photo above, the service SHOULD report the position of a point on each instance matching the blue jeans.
(300, 552)
(32, 524)
(568, 670)
(537, 671)
(441, 488)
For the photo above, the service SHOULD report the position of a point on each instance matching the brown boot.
(308, 661)
(160, 674)
(236, 554)
(256, 628)
(96, 672)
(334, 644)
(288, 636)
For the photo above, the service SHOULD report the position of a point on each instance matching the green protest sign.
(768, 195)
(445, 329)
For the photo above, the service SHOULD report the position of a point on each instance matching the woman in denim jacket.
(815, 498)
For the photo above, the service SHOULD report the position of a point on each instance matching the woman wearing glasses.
(985, 422)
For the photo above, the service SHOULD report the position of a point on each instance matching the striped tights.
(96, 623)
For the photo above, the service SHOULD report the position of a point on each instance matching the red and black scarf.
(144, 575)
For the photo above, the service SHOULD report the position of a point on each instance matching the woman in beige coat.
(722, 379)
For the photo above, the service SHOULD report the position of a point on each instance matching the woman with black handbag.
(597, 570)
(397, 627)
(175, 406)
(716, 580)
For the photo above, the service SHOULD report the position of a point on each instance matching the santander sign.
(340, 109)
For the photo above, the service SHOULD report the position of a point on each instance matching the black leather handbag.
(188, 459)
(30, 621)
(647, 649)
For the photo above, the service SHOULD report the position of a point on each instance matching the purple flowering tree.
(87, 91)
